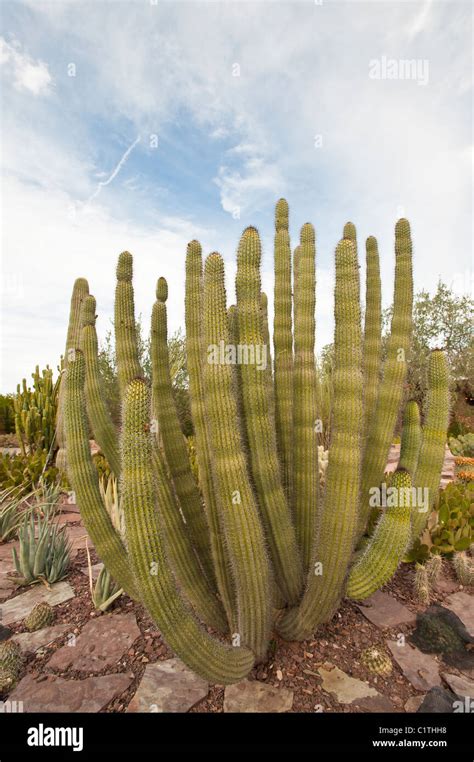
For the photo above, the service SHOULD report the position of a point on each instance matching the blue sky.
(83, 179)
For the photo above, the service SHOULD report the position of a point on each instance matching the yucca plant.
(44, 552)
(260, 545)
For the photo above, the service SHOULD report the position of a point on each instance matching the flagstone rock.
(250, 696)
(100, 645)
(413, 703)
(375, 704)
(33, 641)
(7, 564)
(346, 689)
(19, 607)
(5, 632)
(58, 695)
(462, 686)
(438, 700)
(95, 569)
(462, 604)
(384, 610)
(78, 538)
(420, 669)
(168, 686)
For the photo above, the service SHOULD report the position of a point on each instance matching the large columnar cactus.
(35, 412)
(73, 340)
(258, 543)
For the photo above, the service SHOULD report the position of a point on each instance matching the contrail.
(115, 172)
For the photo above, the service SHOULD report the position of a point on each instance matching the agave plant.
(44, 552)
(12, 513)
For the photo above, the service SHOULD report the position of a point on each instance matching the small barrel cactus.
(7, 681)
(42, 615)
(11, 657)
(376, 661)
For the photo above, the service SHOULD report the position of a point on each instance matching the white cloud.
(41, 260)
(115, 171)
(26, 73)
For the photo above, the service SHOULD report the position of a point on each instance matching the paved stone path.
(251, 696)
(100, 645)
(58, 695)
(168, 686)
(19, 607)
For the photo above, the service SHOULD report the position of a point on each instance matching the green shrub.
(463, 445)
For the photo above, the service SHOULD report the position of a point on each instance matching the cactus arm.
(305, 461)
(174, 445)
(104, 430)
(79, 292)
(395, 368)
(411, 438)
(126, 344)
(385, 549)
(85, 481)
(283, 347)
(207, 656)
(196, 357)
(243, 530)
(181, 553)
(339, 516)
(265, 466)
(372, 349)
(433, 440)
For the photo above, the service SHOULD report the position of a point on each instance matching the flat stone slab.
(413, 703)
(78, 537)
(375, 704)
(95, 568)
(346, 689)
(420, 669)
(18, 608)
(7, 564)
(463, 606)
(437, 700)
(250, 696)
(58, 695)
(101, 644)
(461, 686)
(384, 610)
(168, 686)
(33, 641)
